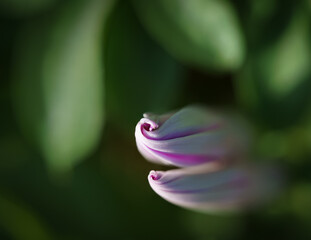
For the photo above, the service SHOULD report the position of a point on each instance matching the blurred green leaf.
(219, 227)
(84, 206)
(288, 62)
(275, 83)
(140, 75)
(291, 145)
(300, 201)
(20, 221)
(21, 7)
(204, 33)
(265, 21)
(59, 83)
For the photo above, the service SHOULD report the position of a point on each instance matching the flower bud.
(203, 189)
(192, 136)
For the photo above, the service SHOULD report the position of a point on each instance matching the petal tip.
(148, 124)
(154, 175)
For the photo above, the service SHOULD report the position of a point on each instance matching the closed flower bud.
(203, 189)
(189, 137)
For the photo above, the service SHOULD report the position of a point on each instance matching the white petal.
(219, 190)
(191, 136)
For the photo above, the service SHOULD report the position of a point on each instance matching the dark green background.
(103, 193)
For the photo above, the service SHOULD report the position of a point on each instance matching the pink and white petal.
(220, 190)
(192, 136)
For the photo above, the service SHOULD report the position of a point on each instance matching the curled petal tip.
(154, 175)
(148, 124)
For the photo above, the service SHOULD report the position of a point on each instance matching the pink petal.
(205, 189)
(189, 137)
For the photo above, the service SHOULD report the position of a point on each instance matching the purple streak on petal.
(180, 160)
(181, 134)
(184, 159)
(189, 120)
(237, 183)
(167, 182)
(147, 153)
(191, 132)
(209, 143)
(176, 159)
